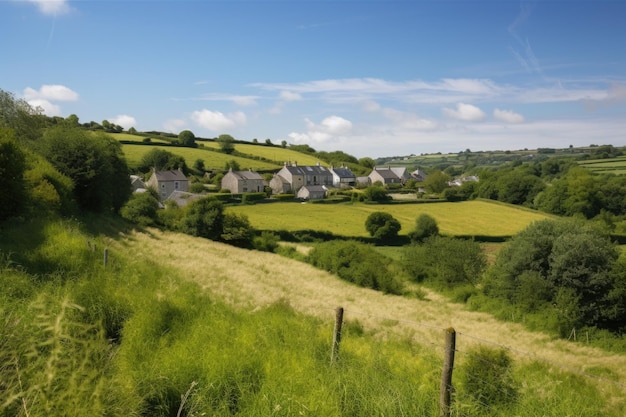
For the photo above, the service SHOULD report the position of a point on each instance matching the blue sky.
(372, 78)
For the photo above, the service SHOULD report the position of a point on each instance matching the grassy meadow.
(477, 217)
(177, 325)
(212, 159)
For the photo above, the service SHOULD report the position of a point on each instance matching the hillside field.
(473, 218)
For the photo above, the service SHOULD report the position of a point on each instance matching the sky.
(371, 78)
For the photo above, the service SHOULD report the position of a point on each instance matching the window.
(176, 185)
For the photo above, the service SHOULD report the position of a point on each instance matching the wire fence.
(484, 377)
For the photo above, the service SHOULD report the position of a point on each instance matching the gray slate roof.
(171, 175)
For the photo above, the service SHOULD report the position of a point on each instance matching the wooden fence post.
(334, 355)
(106, 256)
(446, 374)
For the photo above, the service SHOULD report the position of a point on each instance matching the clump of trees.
(425, 227)
(568, 270)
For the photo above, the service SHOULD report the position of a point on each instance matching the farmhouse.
(243, 181)
(342, 177)
(166, 182)
(293, 177)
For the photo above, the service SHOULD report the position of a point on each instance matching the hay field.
(478, 217)
(250, 280)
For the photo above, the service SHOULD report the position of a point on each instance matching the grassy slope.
(253, 279)
(479, 217)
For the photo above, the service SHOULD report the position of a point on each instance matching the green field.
(478, 217)
(136, 138)
(615, 166)
(212, 159)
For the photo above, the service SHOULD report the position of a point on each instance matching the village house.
(419, 175)
(343, 177)
(293, 177)
(312, 192)
(243, 182)
(166, 182)
(385, 176)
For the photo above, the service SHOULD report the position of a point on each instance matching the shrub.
(356, 262)
(141, 209)
(237, 230)
(487, 377)
(382, 226)
(267, 242)
(425, 227)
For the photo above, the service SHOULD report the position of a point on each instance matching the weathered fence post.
(106, 256)
(334, 355)
(446, 374)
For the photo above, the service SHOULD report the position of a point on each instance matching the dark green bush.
(356, 262)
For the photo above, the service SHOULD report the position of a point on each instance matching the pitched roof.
(315, 188)
(343, 172)
(182, 198)
(247, 175)
(385, 173)
(170, 175)
(307, 170)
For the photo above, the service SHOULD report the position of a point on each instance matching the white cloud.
(51, 7)
(124, 120)
(290, 96)
(371, 106)
(244, 100)
(53, 92)
(218, 121)
(507, 116)
(45, 97)
(237, 99)
(174, 125)
(48, 108)
(331, 128)
(465, 112)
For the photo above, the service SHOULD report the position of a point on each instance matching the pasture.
(211, 158)
(478, 217)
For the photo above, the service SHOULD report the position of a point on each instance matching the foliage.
(204, 218)
(425, 227)
(436, 182)
(161, 160)
(445, 262)
(12, 167)
(227, 143)
(356, 262)
(565, 267)
(94, 162)
(266, 242)
(141, 208)
(382, 226)
(376, 193)
(487, 377)
(21, 117)
(237, 230)
(187, 138)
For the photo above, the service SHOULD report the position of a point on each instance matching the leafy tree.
(382, 226)
(376, 193)
(268, 141)
(162, 160)
(187, 138)
(12, 167)
(198, 165)
(232, 164)
(570, 262)
(141, 208)
(132, 131)
(425, 227)
(436, 182)
(283, 144)
(95, 163)
(237, 230)
(367, 162)
(204, 218)
(227, 143)
(578, 192)
(20, 116)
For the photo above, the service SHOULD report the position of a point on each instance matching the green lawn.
(479, 217)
